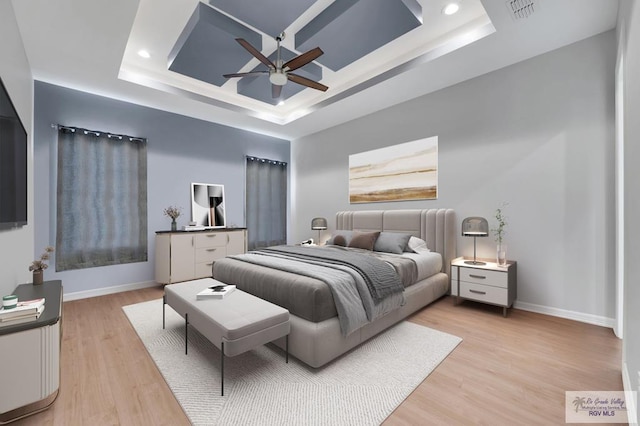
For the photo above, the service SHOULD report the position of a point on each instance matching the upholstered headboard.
(436, 226)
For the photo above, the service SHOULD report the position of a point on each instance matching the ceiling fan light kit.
(280, 72)
(278, 77)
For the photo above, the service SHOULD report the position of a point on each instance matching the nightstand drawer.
(485, 277)
(484, 293)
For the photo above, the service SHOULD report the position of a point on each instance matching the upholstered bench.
(235, 324)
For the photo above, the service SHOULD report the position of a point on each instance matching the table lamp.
(475, 227)
(319, 224)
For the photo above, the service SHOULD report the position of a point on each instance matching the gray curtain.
(266, 202)
(101, 199)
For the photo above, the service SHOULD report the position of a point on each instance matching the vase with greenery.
(499, 232)
(173, 212)
(39, 265)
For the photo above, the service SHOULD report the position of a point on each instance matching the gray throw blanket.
(353, 299)
(381, 279)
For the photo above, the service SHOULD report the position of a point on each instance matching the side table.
(488, 283)
(30, 367)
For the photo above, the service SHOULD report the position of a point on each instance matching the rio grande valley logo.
(595, 407)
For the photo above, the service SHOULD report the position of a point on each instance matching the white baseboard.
(563, 313)
(108, 290)
(632, 409)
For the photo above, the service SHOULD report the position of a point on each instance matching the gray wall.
(538, 135)
(180, 150)
(630, 26)
(16, 245)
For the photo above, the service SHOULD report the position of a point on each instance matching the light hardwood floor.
(508, 371)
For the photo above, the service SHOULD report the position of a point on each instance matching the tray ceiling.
(192, 44)
(92, 46)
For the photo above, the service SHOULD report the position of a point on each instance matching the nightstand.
(489, 283)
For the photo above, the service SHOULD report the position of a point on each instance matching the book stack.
(194, 228)
(215, 292)
(28, 310)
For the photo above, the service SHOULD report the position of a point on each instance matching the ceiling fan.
(280, 71)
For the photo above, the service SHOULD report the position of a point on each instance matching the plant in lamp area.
(173, 212)
(499, 232)
(39, 265)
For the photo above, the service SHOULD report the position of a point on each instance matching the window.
(101, 216)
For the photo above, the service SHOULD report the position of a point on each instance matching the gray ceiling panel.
(269, 16)
(207, 48)
(346, 31)
(260, 88)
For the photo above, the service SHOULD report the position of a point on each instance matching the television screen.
(13, 165)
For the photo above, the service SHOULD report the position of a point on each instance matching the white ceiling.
(90, 45)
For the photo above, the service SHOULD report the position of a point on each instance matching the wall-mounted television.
(13, 165)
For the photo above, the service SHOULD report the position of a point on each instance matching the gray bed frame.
(319, 343)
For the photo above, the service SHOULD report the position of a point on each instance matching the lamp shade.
(475, 227)
(319, 223)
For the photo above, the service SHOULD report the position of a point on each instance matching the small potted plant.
(173, 212)
(39, 265)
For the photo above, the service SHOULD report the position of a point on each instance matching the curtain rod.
(97, 133)
(266, 160)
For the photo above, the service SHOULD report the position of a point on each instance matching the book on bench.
(215, 292)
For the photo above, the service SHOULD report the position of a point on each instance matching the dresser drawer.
(204, 269)
(485, 277)
(484, 293)
(210, 253)
(211, 239)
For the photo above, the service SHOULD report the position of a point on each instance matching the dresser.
(488, 283)
(188, 255)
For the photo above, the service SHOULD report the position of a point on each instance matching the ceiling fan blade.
(276, 91)
(255, 52)
(302, 60)
(306, 82)
(244, 74)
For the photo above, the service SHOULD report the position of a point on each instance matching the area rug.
(360, 388)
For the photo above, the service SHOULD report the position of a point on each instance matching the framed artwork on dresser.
(207, 205)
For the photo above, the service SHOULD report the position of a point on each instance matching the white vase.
(501, 254)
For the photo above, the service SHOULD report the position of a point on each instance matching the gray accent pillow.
(340, 240)
(392, 242)
(364, 240)
(346, 234)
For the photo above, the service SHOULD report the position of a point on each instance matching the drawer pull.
(209, 264)
(212, 235)
(477, 291)
(480, 277)
(212, 249)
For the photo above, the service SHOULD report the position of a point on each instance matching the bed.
(318, 333)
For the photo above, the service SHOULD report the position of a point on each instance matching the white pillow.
(422, 249)
(417, 245)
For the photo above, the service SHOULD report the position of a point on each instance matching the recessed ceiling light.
(451, 8)
(144, 53)
(280, 103)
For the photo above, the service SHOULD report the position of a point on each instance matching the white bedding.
(428, 263)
